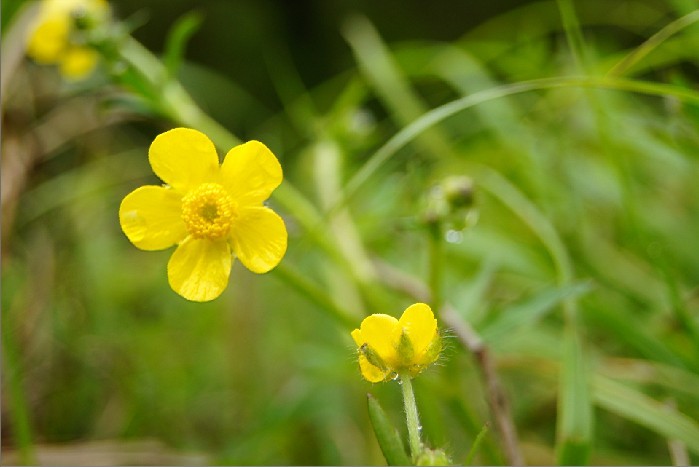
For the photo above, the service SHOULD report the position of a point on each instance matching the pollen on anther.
(208, 211)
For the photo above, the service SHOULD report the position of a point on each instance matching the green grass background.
(581, 273)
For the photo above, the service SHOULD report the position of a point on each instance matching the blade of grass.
(653, 42)
(575, 423)
(622, 324)
(532, 310)
(637, 407)
(574, 35)
(386, 434)
(375, 60)
(177, 39)
(437, 114)
(476, 444)
(575, 408)
(15, 393)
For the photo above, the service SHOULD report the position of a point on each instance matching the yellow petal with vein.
(184, 158)
(250, 172)
(199, 269)
(420, 326)
(259, 239)
(370, 372)
(151, 217)
(380, 332)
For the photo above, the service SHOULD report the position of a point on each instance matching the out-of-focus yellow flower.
(390, 346)
(56, 40)
(212, 212)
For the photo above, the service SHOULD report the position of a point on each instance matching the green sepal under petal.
(405, 350)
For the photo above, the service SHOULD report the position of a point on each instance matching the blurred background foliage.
(587, 208)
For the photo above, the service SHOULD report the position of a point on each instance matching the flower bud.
(450, 203)
(429, 456)
(458, 191)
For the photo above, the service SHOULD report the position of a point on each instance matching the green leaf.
(476, 444)
(386, 434)
(532, 310)
(621, 323)
(575, 406)
(392, 87)
(656, 416)
(177, 40)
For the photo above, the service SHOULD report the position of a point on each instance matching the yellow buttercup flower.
(389, 346)
(55, 40)
(212, 212)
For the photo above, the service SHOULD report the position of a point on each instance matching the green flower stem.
(436, 265)
(412, 419)
(291, 276)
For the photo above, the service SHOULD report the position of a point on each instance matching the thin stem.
(476, 444)
(436, 261)
(412, 419)
(19, 411)
(653, 42)
(311, 291)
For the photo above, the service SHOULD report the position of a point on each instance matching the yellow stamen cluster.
(208, 211)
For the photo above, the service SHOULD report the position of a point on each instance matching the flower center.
(208, 211)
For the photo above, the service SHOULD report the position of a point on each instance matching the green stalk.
(19, 414)
(653, 42)
(476, 444)
(436, 265)
(412, 419)
(291, 276)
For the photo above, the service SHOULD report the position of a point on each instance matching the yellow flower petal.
(151, 217)
(183, 158)
(199, 269)
(357, 336)
(250, 172)
(420, 325)
(49, 40)
(370, 372)
(259, 239)
(380, 332)
(78, 62)
(67, 7)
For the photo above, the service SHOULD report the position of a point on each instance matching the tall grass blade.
(575, 420)
(656, 416)
(386, 434)
(532, 310)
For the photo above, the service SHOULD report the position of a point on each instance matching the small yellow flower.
(212, 212)
(53, 38)
(390, 346)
